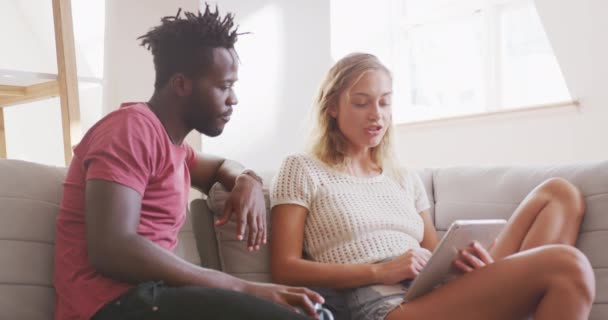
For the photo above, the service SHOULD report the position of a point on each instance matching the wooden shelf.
(24, 78)
(15, 95)
(12, 91)
(19, 87)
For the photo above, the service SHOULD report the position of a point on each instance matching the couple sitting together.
(361, 220)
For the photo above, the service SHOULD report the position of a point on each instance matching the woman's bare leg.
(550, 214)
(551, 282)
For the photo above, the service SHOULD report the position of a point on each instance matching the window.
(454, 57)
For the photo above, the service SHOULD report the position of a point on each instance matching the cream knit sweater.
(352, 219)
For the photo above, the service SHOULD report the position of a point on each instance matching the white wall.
(277, 86)
(576, 30)
(282, 62)
(28, 51)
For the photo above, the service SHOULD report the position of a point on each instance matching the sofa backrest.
(231, 255)
(29, 203)
(454, 193)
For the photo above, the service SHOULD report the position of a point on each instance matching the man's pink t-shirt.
(131, 147)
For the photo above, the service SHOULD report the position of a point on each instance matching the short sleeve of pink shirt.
(128, 151)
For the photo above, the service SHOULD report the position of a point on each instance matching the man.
(126, 192)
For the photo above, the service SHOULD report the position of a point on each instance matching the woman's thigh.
(507, 289)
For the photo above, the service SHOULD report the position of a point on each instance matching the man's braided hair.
(184, 44)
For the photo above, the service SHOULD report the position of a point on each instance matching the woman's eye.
(360, 104)
(385, 103)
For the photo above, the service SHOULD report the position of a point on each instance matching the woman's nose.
(374, 112)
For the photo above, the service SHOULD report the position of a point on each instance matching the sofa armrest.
(204, 233)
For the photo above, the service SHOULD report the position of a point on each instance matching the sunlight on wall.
(89, 24)
(89, 32)
(258, 89)
(358, 26)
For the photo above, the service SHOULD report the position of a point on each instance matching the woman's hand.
(296, 298)
(406, 266)
(473, 257)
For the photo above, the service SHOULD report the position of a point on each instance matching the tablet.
(439, 268)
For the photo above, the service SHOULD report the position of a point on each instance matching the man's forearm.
(135, 259)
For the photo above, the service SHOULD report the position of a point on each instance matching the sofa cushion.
(29, 198)
(234, 258)
(187, 245)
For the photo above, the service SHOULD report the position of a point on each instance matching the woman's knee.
(567, 266)
(566, 193)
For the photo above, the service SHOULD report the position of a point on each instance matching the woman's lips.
(374, 130)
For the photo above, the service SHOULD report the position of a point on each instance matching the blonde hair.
(328, 143)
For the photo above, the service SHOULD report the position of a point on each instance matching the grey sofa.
(30, 195)
(454, 193)
(29, 203)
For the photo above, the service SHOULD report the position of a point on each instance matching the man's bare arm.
(116, 250)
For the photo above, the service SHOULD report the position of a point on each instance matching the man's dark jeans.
(156, 301)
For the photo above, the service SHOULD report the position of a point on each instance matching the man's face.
(210, 105)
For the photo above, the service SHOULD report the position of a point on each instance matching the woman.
(364, 225)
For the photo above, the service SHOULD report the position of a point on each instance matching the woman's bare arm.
(431, 238)
(288, 266)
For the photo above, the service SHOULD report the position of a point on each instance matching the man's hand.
(246, 202)
(294, 298)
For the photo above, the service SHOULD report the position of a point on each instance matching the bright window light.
(453, 57)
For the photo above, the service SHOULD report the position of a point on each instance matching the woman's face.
(364, 111)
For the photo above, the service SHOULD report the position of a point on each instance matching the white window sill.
(573, 104)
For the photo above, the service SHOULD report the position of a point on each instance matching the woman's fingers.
(462, 266)
(472, 260)
(482, 253)
(474, 257)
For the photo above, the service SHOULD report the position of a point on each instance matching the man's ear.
(181, 85)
